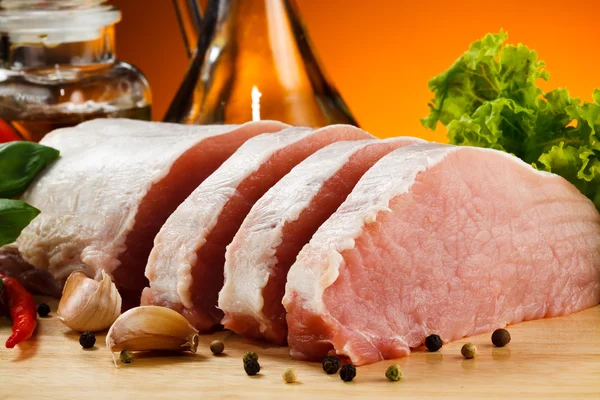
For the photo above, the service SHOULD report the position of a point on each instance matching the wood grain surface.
(546, 359)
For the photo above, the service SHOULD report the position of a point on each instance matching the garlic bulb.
(152, 328)
(87, 305)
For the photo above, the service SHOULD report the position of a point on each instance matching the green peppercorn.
(43, 310)
(500, 337)
(469, 351)
(251, 366)
(87, 340)
(217, 347)
(347, 372)
(433, 342)
(393, 373)
(289, 375)
(250, 356)
(331, 364)
(126, 357)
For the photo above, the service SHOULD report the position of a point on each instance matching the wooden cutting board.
(552, 358)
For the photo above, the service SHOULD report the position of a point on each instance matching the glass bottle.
(58, 67)
(253, 60)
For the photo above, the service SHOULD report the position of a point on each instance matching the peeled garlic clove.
(87, 305)
(152, 328)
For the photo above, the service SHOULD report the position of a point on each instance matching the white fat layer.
(251, 255)
(90, 196)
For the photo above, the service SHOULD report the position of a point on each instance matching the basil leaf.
(15, 215)
(20, 162)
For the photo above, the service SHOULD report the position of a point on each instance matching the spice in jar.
(217, 347)
(500, 337)
(469, 351)
(331, 364)
(289, 375)
(347, 372)
(433, 342)
(393, 373)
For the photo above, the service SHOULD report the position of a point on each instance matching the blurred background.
(381, 53)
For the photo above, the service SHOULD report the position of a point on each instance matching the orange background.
(381, 53)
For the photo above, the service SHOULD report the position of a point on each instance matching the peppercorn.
(43, 310)
(126, 357)
(393, 373)
(433, 342)
(347, 372)
(331, 364)
(217, 347)
(469, 351)
(500, 337)
(250, 356)
(289, 375)
(252, 367)
(87, 340)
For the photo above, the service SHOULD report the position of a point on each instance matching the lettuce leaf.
(489, 98)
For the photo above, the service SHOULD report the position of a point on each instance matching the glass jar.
(58, 67)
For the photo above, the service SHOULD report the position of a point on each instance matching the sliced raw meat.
(185, 267)
(113, 187)
(280, 224)
(439, 239)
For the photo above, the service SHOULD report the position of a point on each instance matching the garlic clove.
(87, 305)
(152, 328)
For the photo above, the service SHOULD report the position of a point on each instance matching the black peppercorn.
(87, 340)
(43, 310)
(252, 367)
(347, 372)
(331, 364)
(500, 337)
(433, 342)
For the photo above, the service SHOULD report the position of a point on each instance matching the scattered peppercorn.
(126, 357)
(433, 342)
(331, 364)
(87, 340)
(393, 373)
(289, 375)
(500, 337)
(43, 310)
(347, 372)
(469, 351)
(250, 356)
(217, 347)
(252, 367)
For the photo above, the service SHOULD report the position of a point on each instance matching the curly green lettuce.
(489, 98)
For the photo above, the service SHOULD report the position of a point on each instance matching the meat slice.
(439, 239)
(185, 268)
(280, 224)
(113, 187)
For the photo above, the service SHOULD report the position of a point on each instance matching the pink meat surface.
(185, 268)
(280, 224)
(440, 239)
(113, 187)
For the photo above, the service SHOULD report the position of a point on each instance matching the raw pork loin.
(279, 224)
(113, 187)
(185, 267)
(439, 239)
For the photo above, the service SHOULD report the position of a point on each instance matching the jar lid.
(55, 21)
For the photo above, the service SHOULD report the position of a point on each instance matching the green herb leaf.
(489, 98)
(20, 162)
(15, 215)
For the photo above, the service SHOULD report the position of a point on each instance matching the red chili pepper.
(22, 311)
